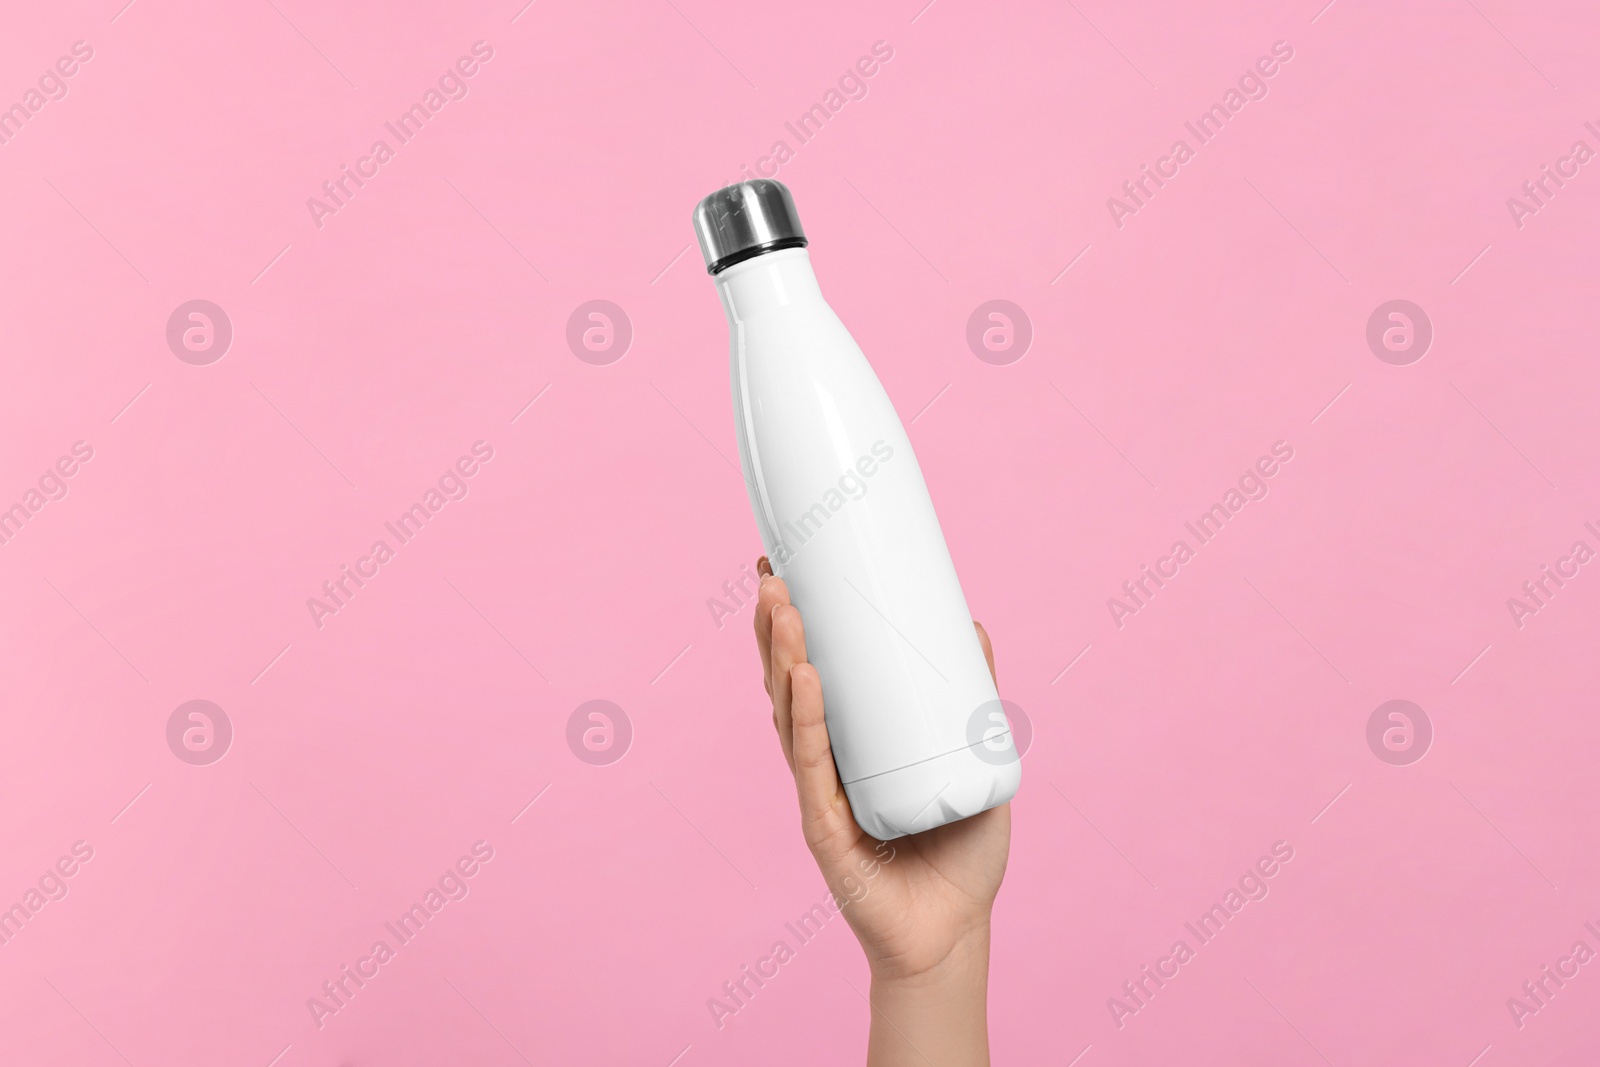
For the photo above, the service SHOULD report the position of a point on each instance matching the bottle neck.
(767, 282)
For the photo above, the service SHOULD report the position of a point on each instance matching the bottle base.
(945, 789)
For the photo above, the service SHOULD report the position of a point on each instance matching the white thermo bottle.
(917, 728)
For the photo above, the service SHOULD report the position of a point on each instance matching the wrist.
(935, 1015)
(966, 957)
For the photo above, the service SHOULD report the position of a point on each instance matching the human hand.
(924, 920)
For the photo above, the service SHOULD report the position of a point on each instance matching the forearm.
(936, 1019)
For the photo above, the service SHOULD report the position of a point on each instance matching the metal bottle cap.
(745, 220)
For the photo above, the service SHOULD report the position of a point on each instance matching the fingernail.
(763, 567)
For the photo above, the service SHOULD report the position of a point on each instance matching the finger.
(988, 648)
(763, 566)
(816, 777)
(788, 650)
(769, 595)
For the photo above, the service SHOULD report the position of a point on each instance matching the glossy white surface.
(847, 522)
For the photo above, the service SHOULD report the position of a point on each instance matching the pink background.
(368, 354)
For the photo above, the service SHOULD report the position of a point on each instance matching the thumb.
(822, 815)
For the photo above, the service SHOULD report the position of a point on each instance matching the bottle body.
(916, 725)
